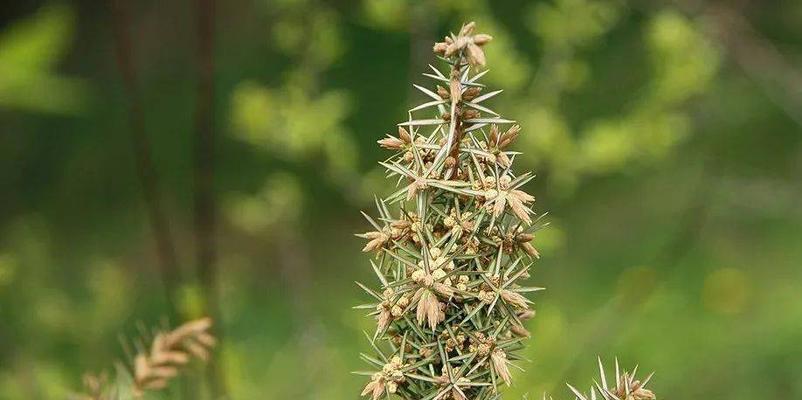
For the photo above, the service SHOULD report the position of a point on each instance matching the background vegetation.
(667, 138)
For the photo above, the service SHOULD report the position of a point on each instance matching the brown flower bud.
(509, 136)
(401, 224)
(404, 135)
(476, 56)
(527, 314)
(471, 114)
(481, 38)
(471, 92)
(520, 331)
(515, 299)
(493, 133)
(529, 249)
(443, 92)
(391, 143)
(524, 237)
(467, 29)
(503, 160)
(455, 46)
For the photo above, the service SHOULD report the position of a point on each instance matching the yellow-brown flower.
(499, 359)
(385, 381)
(467, 42)
(376, 240)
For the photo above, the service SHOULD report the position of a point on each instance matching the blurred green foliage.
(30, 50)
(672, 180)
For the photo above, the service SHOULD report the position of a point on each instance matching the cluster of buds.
(452, 245)
(630, 388)
(466, 41)
(391, 308)
(396, 143)
(386, 380)
(498, 143)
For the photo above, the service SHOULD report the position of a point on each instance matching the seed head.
(452, 242)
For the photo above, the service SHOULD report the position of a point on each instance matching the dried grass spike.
(169, 352)
(153, 366)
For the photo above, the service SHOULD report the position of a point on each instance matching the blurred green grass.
(670, 167)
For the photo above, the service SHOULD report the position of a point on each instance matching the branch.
(205, 210)
(146, 172)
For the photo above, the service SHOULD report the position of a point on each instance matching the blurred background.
(666, 135)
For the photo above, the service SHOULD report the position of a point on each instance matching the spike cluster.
(169, 352)
(452, 244)
(625, 387)
(152, 368)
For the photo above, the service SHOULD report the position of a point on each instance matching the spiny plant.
(625, 386)
(452, 246)
(451, 255)
(155, 364)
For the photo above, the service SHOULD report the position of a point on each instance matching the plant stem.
(205, 213)
(146, 172)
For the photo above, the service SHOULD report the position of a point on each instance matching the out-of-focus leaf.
(29, 52)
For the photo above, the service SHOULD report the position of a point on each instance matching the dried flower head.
(386, 380)
(466, 41)
(452, 244)
(169, 352)
(626, 386)
(153, 367)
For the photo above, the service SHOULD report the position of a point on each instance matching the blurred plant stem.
(146, 172)
(205, 213)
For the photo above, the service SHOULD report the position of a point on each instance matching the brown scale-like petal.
(526, 315)
(376, 240)
(375, 388)
(404, 135)
(529, 249)
(476, 56)
(518, 200)
(503, 160)
(493, 134)
(383, 320)
(499, 360)
(391, 143)
(509, 136)
(520, 331)
(471, 93)
(467, 29)
(443, 92)
(456, 46)
(416, 185)
(480, 39)
(515, 299)
(428, 308)
(443, 289)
